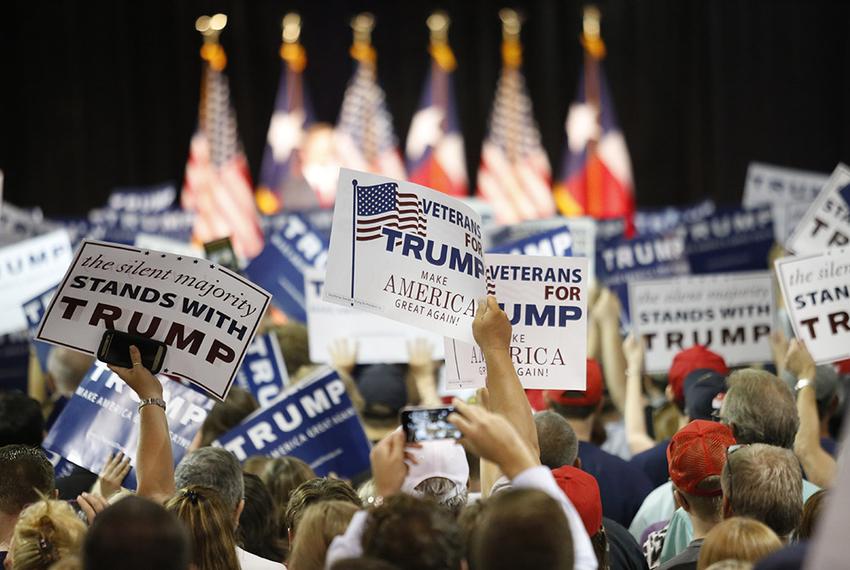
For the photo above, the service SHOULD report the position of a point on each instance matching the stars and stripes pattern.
(217, 185)
(364, 133)
(383, 206)
(514, 175)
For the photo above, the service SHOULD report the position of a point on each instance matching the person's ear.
(726, 509)
(238, 513)
(577, 462)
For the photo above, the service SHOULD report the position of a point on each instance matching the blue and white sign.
(826, 223)
(263, 372)
(281, 265)
(146, 200)
(34, 310)
(313, 421)
(102, 418)
(553, 242)
(730, 240)
(667, 219)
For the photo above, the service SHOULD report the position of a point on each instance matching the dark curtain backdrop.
(103, 94)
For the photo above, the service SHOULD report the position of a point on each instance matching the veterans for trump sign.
(545, 299)
(816, 289)
(826, 223)
(730, 313)
(407, 253)
(207, 315)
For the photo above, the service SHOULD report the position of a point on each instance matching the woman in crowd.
(738, 538)
(318, 527)
(210, 526)
(47, 531)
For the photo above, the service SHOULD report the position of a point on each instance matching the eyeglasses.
(729, 451)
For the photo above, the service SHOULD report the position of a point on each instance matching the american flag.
(383, 206)
(365, 137)
(514, 175)
(217, 185)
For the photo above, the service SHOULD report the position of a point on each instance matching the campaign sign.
(378, 339)
(666, 219)
(816, 289)
(147, 200)
(730, 313)
(124, 226)
(280, 267)
(545, 299)
(620, 261)
(780, 187)
(263, 372)
(28, 266)
(407, 253)
(826, 223)
(582, 233)
(102, 417)
(313, 421)
(557, 241)
(34, 310)
(204, 313)
(730, 240)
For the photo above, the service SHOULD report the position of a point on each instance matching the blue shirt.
(653, 463)
(622, 485)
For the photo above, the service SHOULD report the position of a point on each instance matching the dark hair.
(20, 419)
(558, 441)
(315, 491)
(25, 477)
(136, 534)
(522, 528)
(573, 412)
(259, 525)
(414, 534)
(282, 475)
(210, 523)
(228, 414)
(812, 510)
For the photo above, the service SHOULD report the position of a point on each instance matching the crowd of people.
(704, 467)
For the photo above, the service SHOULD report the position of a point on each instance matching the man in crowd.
(25, 476)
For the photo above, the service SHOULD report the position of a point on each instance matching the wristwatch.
(152, 402)
(802, 383)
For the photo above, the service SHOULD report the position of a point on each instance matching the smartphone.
(221, 251)
(115, 349)
(428, 424)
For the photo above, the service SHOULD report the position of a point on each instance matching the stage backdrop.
(101, 94)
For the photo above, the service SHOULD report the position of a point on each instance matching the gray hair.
(68, 368)
(215, 468)
(444, 491)
(558, 441)
(765, 482)
(760, 408)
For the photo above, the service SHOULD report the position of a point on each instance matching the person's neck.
(7, 526)
(701, 527)
(582, 428)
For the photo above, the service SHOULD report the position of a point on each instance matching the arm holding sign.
(154, 460)
(633, 416)
(607, 311)
(820, 466)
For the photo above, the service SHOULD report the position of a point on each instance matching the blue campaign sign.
(145, 199)
(280, 267)
(123, 226)
(666, 219)
(34, 311)
(730, 240)
(313, 421)
(102, 418)
(552, 242)
(263, 372)
(61, 466)
(620, 260)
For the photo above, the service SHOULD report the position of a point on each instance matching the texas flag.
(596, 177)
(435, 155)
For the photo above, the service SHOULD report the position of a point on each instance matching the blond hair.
(738, 538)
(46, 532)
(319, 524)
(211, 526)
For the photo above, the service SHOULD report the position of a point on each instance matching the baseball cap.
(590, 396)
(698, 451)
(582, 490)
(687, 361)
(383, 389)
(704, 392)
(442, 458)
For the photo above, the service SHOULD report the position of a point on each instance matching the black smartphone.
(115, 349)
(428, 424)
(221, 251)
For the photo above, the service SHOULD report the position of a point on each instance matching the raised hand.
(139, 378)
(491, 327)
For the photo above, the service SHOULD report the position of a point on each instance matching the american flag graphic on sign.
(383, 206)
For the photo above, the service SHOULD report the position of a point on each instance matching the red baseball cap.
(590, 396)
(697, 451)
(582, 490)
(694, 358)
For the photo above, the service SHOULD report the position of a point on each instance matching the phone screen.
(428, 424)
(220, 251)
(115, 349)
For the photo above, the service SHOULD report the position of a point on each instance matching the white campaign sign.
(730, 313)
(205, 314)
(782, 188)
(826, 223)
(407, 253)
(378, 339)
(546, 300)
(26, 268)
(816, 289)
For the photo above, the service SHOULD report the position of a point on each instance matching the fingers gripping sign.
(491, 327)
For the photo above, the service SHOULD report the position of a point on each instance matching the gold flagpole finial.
(438, 23)
(210, 28)
(511, 47)
(291, 28)
(362, 24)
(291, 51)
(591, 37)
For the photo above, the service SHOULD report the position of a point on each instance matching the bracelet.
(152, 401)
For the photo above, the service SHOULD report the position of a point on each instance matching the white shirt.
(248, 561)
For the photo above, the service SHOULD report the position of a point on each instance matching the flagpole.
(594, 51)
(353, 234)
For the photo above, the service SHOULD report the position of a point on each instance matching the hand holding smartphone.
(428, 424)
(115, 349)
